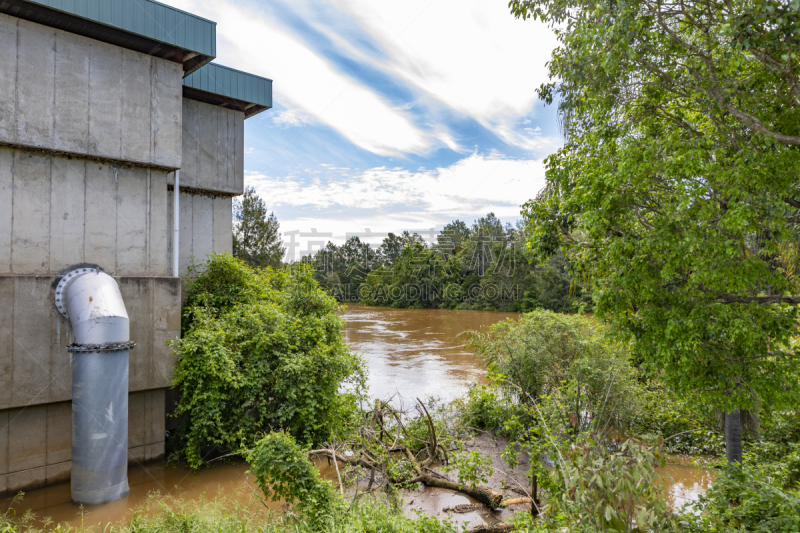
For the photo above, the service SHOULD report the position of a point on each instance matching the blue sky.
(389, 115)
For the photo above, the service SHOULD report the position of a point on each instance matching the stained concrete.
(57, 211)
(206, 226)
(68, 93)
(213, 153)
(89, 133)
(36, 365)
(37, 440)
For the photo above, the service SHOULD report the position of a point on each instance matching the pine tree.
(256, 237)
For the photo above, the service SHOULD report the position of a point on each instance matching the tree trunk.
(483, 494)
(733, 438)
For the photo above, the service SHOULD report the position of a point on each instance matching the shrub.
(284, 471)
(684, 423)
(262, 350)
(745, 500)
(546, 353)
(596, 487)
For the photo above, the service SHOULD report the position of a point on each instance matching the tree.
(452, 237)
(256, 237)
(676, 192)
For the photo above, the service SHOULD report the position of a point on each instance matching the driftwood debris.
(376, 436)
(469, 507)
(497, 527)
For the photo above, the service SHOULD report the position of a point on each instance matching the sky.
(389, 115)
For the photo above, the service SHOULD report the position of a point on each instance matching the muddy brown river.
(410, 353)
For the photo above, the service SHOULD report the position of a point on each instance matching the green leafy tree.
(452, 237)
(677, 187)
(261, 350)
(256, 235)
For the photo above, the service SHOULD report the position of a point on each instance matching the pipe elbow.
(90, 300)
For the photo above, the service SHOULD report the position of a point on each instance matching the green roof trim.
(142, 25)
(228, 87)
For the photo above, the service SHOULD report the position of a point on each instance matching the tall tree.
(256, 235)
(677, 188)
(452, 237)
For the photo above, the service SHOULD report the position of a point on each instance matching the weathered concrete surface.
(213, 151)
(206, 226)
(56, 211)
(68, 93)
(35, 442)
(34, 359)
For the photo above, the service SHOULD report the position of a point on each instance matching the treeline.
(477, 267)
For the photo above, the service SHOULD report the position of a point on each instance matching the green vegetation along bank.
(482, 266)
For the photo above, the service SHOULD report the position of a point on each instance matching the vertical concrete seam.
(116, 217)
(85, 178)
(151, 345)
(16, 89)
(85, 203)
(121, 103)
(49, 211)
(88, 128)
(55, 107)
(13, 197)
(152, 110)
(148, 224)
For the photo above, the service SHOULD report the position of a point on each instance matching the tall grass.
(162, 514)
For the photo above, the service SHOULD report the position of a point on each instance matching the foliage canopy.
(261, 350)
(256, 237)
(676, 192)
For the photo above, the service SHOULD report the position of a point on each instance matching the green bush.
(262, 350)
(745, 500)
(596, 487)
(546, 354)
(284, 471)
(685, 424)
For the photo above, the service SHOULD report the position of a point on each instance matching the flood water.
(415, 352)
(411, 352)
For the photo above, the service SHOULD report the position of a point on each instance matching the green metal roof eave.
(220, 85)
(136, 24)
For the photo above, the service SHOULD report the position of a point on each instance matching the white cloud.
(470, 54)
(250, 41)
(397, 199)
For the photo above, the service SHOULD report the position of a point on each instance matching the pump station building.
(103, 103)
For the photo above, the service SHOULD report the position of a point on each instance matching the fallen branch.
(375, 434)
(497, 527)
(515, 501)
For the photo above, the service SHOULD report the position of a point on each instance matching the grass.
(162, 514)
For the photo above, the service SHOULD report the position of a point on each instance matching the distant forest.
(477, 267)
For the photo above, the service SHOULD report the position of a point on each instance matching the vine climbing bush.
(262, 350)
(284, 472)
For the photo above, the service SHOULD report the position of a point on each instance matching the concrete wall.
(213, 148)
(206, 226)
(88, 134)
(35, 365)
(37, 440)
(65, 92)
(56, 211)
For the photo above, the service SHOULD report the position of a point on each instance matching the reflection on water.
(416, 352)
(686, 481)
(413, 352)
(223, 480)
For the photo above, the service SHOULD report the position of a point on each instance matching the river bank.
(416, 352)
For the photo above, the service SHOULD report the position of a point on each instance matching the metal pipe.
(176, 218)
(91, 302)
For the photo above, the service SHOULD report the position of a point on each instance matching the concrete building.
(101, 101)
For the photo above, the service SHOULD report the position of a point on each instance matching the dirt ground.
(434, 501)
